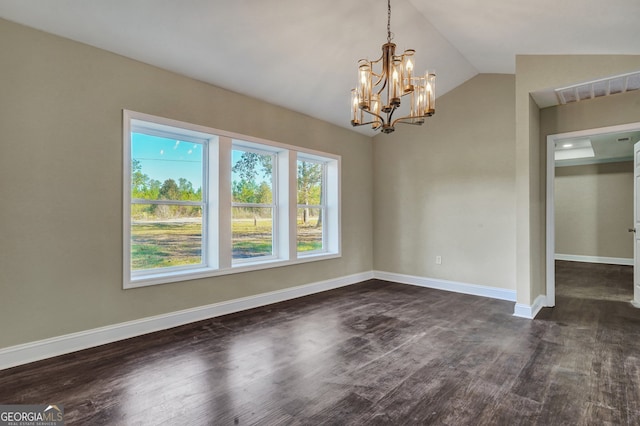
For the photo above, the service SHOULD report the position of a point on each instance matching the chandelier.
(378, 94)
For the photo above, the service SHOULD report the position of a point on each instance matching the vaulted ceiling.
(302, 54)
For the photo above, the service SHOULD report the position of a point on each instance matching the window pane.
(309, 229)
(252, 232)
(310, 183)
(165, 169)
(252, 177)
(165, 236)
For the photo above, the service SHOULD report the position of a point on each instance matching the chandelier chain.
(388, 21)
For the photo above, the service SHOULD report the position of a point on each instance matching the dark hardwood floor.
(593, 281)
(375, 353)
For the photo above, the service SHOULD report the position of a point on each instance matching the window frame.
(216, 242)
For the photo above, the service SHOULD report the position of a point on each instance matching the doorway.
(553, 142)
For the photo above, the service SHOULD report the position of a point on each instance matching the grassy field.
(251, 238)
(164, 244)
(176, 243)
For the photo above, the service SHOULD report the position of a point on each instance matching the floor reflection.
(170, 384)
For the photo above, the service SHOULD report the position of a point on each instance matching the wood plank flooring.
(376, 353)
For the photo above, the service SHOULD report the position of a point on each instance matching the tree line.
(252, 187)
(248, 190)
(143, 187)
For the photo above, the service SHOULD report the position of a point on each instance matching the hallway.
(593, 281)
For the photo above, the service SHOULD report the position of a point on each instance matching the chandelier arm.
(390, 115)
(375, 74)
(400, 120)
(410, 123)
(380, 79)
(364, 124)
(383, 86)
(375, 115)
(377, 60)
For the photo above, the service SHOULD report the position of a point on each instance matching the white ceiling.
(302, 54)
(608, 147)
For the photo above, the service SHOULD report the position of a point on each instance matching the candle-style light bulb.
(375, 108)
(394, 83)
(431, 93)
(408, 64)
(364, 83)
(355, 110)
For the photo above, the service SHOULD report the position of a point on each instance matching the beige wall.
(61, 185)
(447, 189)
(594, 209)
(535, 73)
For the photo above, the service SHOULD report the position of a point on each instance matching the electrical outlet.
(438, 260)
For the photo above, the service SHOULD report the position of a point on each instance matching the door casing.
(551, 174)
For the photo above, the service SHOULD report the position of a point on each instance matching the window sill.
(194, 274)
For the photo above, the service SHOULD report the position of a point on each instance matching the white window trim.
(163, 128)
(217, 254)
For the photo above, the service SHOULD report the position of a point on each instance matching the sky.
(235, 177)
(163, 158)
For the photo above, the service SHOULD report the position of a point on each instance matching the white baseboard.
(595, 259)
(47, 348)
(474, 289)
(530, 312)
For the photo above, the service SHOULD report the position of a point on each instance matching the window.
(167, 202)
(311, 206)
(253, 208)
(201, 202)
